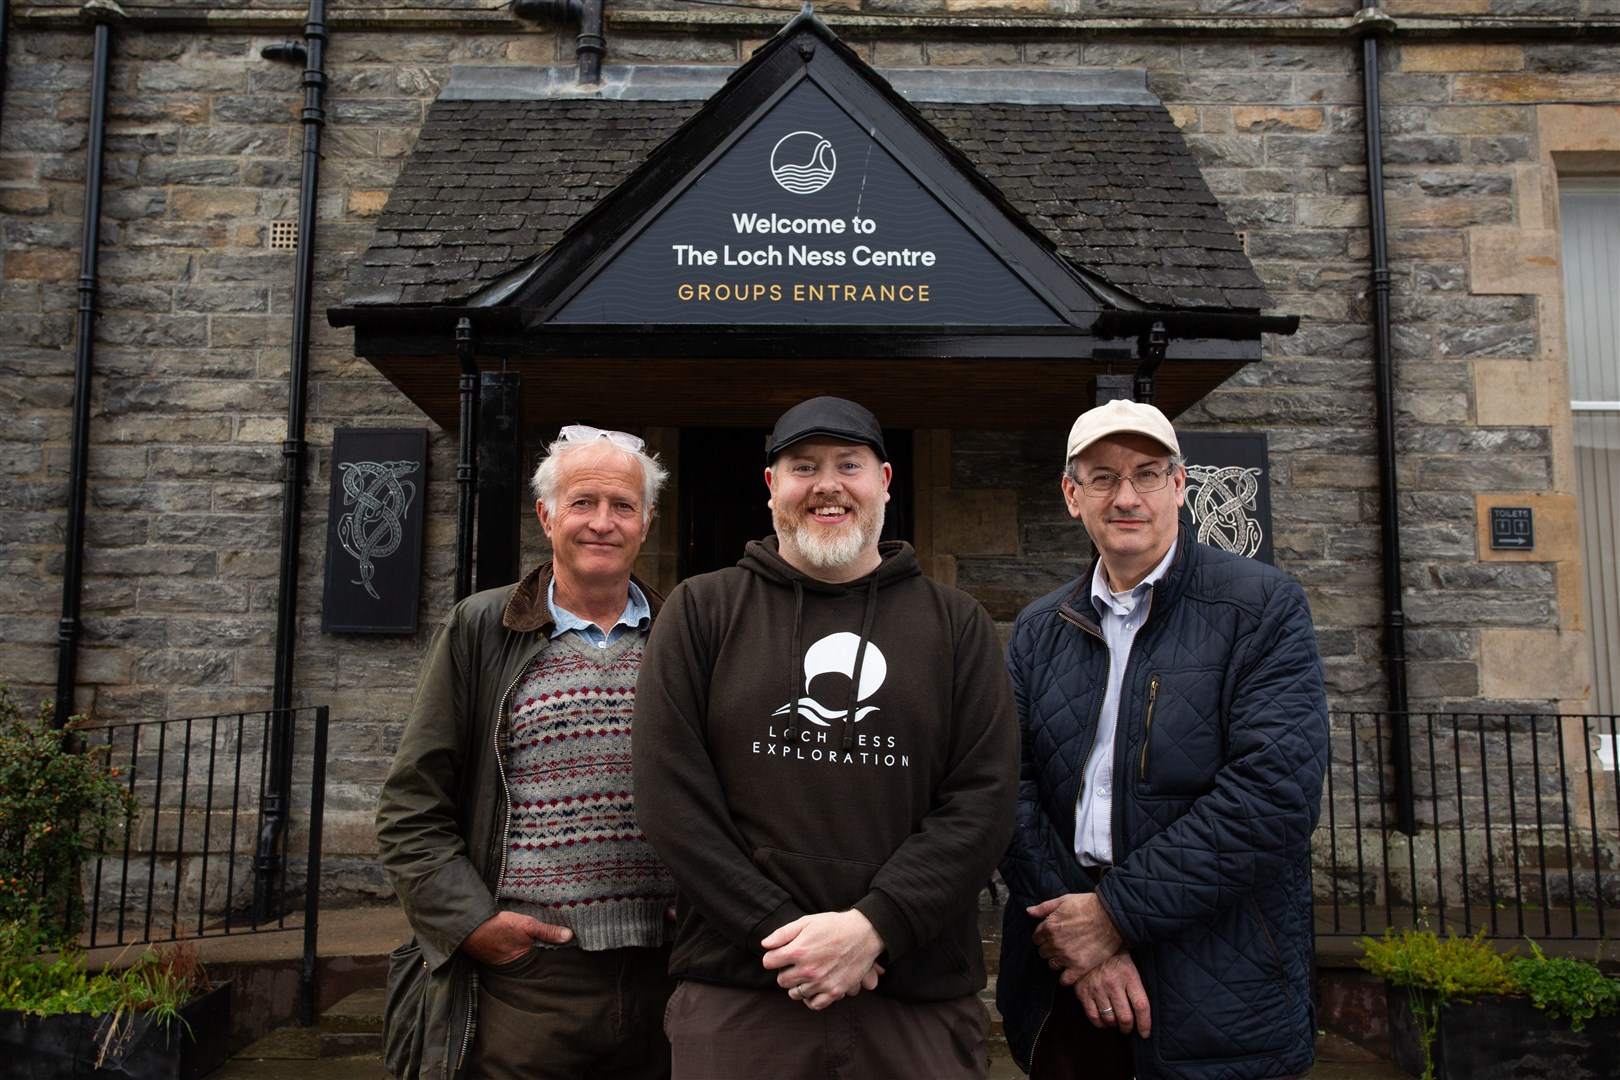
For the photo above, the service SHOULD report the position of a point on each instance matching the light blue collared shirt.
(1119, 620)
(637, 616)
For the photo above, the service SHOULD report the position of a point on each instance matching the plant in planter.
(156, 1018)
(1467, 1010)
(56, 808)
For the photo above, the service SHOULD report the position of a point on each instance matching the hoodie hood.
(764, 557)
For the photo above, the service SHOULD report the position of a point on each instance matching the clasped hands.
(826, 957)
(1077, 939)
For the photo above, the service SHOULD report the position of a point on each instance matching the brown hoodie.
(803, 746)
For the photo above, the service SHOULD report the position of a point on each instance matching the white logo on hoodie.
(835, 653)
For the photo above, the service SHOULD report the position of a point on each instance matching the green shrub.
(1565, 987)
(1436, 970)
(57, 806)
(1451, 967)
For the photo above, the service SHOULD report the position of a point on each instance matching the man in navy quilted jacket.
(1174, 738)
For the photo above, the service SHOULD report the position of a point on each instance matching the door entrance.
(721, 494)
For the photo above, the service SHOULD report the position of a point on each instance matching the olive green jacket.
(444, 810)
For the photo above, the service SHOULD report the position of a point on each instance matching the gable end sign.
(807, 218)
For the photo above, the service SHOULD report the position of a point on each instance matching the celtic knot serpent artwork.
(374, 519)
(381, 498)
(1223, 500)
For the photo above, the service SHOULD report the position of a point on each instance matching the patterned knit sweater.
(575, 854)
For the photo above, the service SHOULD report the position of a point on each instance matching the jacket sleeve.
(679, 801)
(919, 891)
(1038, 864)
(1255, 823)
(419, 834)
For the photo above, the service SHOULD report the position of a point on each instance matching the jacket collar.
(527, 611)
(1166, 591)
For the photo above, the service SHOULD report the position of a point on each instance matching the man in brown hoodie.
(825, 759)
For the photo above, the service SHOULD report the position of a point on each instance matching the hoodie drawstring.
(797, 666)
(860, 658)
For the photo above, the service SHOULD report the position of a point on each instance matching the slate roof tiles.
(491, 184)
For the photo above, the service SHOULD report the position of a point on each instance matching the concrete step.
(353, 1027)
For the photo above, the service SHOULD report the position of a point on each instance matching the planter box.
(49, 1047)
(1503, 1038)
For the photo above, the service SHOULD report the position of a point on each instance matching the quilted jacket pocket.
(1181, 745)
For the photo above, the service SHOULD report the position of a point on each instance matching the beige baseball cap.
(1121, 417)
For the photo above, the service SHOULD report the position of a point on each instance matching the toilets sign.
(808, 217)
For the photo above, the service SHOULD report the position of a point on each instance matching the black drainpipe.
(278, 784)
(67, 634)
(1151, 347)
(466, 457)
(1372, 22)
(590, 45)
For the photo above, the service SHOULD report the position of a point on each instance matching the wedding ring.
(1106, 1011)
(1055, 965)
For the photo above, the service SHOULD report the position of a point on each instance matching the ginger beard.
(828, 547)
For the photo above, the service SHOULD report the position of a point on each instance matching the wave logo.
(835, 653)
(803, 162)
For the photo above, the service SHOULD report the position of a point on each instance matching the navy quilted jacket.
(1218, 762)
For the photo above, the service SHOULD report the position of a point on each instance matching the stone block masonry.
(193, 332)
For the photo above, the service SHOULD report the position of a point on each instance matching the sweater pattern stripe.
(576, 855)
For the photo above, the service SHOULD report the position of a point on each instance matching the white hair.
(548, 474)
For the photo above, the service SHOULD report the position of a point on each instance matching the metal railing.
(1517, 827)
(183, 868)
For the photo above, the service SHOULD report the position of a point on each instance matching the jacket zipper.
(505, 833)
(1271, 943)
(1147, 728)
(1036, 1041)
(472, 1019)
(500, 770)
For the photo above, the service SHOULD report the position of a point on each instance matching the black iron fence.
(1517, 827)
(197, 852)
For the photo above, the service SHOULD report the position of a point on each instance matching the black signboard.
(1228, 492)
(1513, 528)
(374, 531)
(808, 218)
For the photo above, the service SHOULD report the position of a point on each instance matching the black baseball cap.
(833, 417)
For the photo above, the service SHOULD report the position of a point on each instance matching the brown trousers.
(724, 1033)
(568, 1014)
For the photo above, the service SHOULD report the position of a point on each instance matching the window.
(1590, 209)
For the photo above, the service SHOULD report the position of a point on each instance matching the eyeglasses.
(579, 433)
(1102, 485)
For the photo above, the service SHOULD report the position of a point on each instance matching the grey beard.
(830, 553)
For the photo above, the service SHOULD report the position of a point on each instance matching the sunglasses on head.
(581, 433)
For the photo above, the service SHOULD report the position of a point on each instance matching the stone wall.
(192, 345)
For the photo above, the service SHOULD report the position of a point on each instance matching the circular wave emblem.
(803, 162)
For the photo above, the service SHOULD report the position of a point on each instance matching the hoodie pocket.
(817, 883)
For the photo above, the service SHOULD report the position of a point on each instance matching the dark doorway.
(722, 494)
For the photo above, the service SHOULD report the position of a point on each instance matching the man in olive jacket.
(506, 823)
